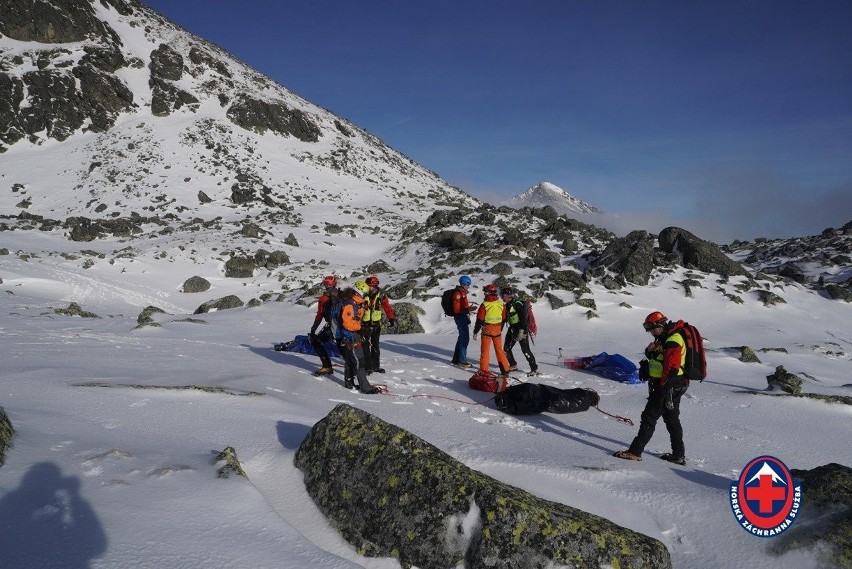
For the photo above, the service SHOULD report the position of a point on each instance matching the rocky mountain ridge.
(123, 132)
(153, 117)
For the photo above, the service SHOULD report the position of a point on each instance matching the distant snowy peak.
(545, 193)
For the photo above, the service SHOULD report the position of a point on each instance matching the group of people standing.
(495, 312)
(353, 319)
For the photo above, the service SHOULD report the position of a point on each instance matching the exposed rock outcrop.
(7, 432)
(825, 523)
(631, 256)
(224, 303)
(390, 493)
(695, 253)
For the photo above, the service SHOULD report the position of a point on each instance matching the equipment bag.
(695, 365)
(534, 398)
(486, 382)
(447, 302)
(532, 327)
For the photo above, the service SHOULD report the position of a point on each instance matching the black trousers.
(509, 343)
(353, 358)
(317, 340)
(372, 353)
(654, 409)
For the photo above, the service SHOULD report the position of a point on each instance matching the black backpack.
(447, 302)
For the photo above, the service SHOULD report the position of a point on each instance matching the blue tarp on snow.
(612, 366)
(302, 345)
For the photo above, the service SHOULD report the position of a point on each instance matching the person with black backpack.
(518, 331)
(326, 300)
(667, 382)
(458, 306)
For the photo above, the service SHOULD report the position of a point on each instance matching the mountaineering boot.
(513, 368)
(325, 370)
(532, 373)
(626, 455)
(379, 370)
(372, 391)
(349, 383)
(672, 458)
(465, 365)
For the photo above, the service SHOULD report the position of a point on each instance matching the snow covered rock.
(389, 492)
(827, 508)
(6, 434)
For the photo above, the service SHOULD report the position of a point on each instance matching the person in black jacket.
(518, 331)
(326, 334)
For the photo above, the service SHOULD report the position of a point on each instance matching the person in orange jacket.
(349, 338)
(490, 319)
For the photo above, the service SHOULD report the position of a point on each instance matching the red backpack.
(487, 381)
(695, 364)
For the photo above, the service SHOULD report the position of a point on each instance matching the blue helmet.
(464, 280)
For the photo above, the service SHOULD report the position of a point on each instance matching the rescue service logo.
(765, 500)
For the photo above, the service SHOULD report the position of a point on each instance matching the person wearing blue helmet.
(461, 314)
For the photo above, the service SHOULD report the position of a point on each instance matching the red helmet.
(490, 288)
(372, 281)
(654, 320)
(330, 280)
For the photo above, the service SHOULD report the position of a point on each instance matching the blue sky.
(731, 119)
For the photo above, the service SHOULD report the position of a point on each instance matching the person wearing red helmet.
(663, 370)
(490, 319)
(326, 300)
(375, 303)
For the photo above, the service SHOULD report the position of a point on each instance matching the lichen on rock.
(390, 493)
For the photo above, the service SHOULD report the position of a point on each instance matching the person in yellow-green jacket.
(375, 303)
(490, 319)
(663, 370)
(519, 330)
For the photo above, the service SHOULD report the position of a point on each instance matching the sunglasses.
(651, 326)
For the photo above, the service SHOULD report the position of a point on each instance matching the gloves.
(392, 322)
(522, 334)
(643, 370)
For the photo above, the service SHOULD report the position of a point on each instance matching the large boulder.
(695, 253)
(407, 319)
(390, 493)
(224, 303)
(825, 523)
(631, 256)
